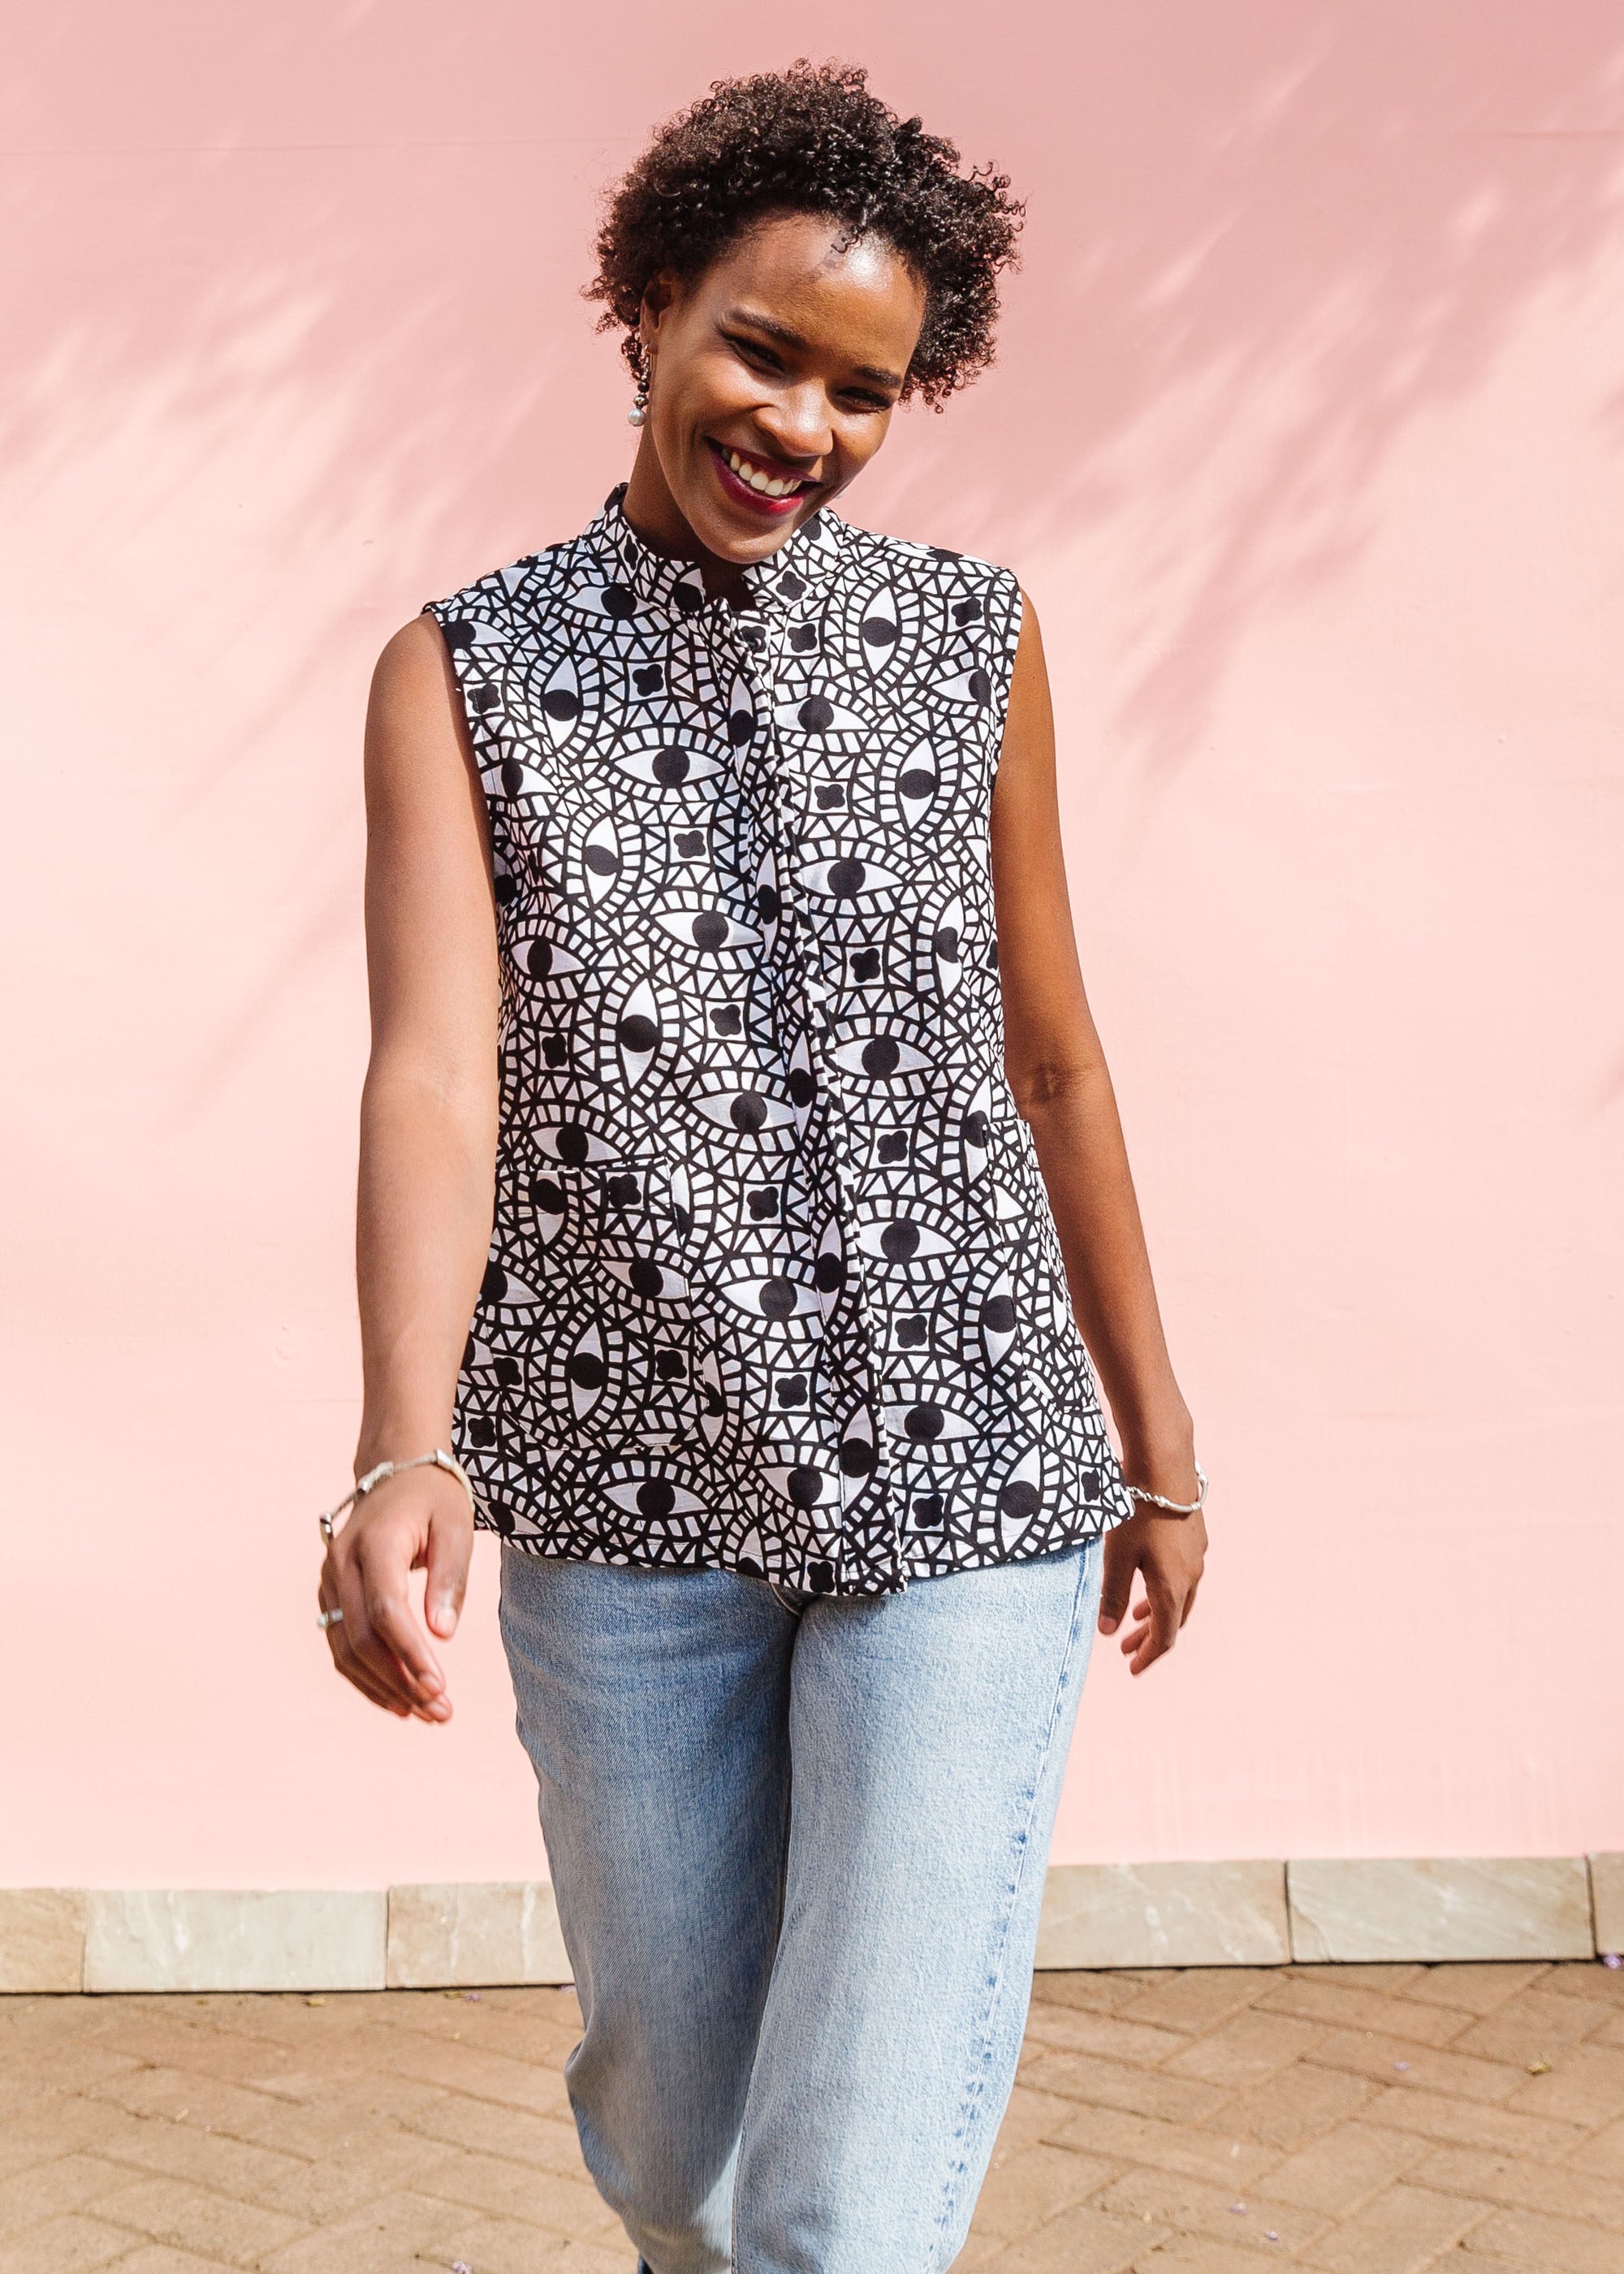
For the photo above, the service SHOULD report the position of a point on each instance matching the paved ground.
(1362, 2119)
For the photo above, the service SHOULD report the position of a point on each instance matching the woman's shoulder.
(963, 595)
(935, 567)
(503, 596)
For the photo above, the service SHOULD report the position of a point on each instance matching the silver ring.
(333, 1618)
(326, 1523)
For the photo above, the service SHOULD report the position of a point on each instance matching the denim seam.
(969, 2108)
(749, 2081)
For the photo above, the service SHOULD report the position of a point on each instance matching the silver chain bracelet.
(1174, 1507)
(437, 1459)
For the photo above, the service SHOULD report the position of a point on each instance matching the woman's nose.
(800, 422)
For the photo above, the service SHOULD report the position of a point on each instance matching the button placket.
(882, 1485)
(807, 999)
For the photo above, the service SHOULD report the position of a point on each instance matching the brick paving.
(1359, 2119)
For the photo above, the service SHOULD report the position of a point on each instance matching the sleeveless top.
(774, 1286)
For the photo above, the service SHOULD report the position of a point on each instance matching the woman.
(720, 954)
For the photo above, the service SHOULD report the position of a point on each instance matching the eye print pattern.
(774, 1286)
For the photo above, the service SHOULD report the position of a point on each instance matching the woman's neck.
(657, 519)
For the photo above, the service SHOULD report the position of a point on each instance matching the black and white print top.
(774, 1285)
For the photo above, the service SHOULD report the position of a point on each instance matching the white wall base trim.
(1352, 1910)
(458, 1938)
(1539, 1907)
(1103, 1915)
(203, 1941)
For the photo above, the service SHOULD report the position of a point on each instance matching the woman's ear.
(657, 300)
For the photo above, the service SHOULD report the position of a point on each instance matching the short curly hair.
(813, 140)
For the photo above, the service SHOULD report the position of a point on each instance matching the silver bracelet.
(437, 1459)
(1174, 1507)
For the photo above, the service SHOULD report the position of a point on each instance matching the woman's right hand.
(420, 1521)
(424, 1196)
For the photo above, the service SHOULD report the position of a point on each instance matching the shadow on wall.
(1268, 240)
(341, 246)
(293, 345)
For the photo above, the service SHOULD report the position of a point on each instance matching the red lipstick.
(739, 492)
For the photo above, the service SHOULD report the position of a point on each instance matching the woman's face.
(773, 377)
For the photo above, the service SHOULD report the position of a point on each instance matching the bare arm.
(428, 1141)
(1058, 1071)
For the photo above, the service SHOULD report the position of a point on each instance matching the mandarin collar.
(804, 561)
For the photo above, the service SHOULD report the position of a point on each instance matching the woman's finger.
(362, 1678)
(1121, 1562)
(1135, 1637)
(1164, 1609)
(451, 1547)
(362, 1644)
(344, 1659)
(394, 1630)
(351, 1666)
(1155, 1646)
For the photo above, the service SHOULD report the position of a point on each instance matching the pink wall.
(1307, 439)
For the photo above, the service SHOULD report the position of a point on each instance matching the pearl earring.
(638, 416)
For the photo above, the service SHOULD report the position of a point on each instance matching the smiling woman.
(790, 234)
(809, 142)
(771, 381)
(732, 1075)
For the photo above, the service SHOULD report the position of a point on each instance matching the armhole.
(1006, 606)
(446, 615)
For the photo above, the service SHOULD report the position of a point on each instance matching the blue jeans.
(798, 1847)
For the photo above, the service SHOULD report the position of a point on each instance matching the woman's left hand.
(1169, 1552)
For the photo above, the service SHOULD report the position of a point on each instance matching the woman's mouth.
(755, 482)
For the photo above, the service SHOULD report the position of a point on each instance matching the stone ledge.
(1104, 1914)
(56, 1939)
(1351, 1909)
(230, 1941)
(42, 1937)
(1607, 1902)
(472, 1936)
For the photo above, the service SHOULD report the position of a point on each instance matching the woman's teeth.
(767, 483)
